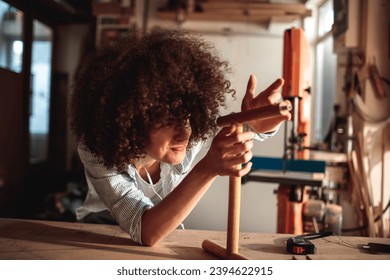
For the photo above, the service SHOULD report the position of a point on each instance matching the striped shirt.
(125, 194)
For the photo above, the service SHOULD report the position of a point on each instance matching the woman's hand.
(269, 96)
(229, 150)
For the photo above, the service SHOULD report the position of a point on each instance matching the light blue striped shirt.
(125, 194)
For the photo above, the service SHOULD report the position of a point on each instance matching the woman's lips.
(178, 148)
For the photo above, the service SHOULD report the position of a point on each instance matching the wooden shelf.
(112, 21)
(109, 27)
(238, 11)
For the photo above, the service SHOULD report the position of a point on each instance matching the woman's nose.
(183, 131)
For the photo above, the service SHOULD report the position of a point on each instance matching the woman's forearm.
(163, 218)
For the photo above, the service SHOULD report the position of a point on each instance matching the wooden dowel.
(214, 249)
(266, 112)
(220, 252)
(233, 226)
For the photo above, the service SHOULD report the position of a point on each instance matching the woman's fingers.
(230, 150)
(246, 168)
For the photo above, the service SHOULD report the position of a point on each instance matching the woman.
(142, 109)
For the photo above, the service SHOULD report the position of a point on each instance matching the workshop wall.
(259, 50)
(371, 115)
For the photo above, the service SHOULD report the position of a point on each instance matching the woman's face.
(168, 143)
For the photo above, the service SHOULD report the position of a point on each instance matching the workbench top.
(37, 240)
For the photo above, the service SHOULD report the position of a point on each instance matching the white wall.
(262, 56)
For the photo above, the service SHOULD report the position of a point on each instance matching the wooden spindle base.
(220, 252)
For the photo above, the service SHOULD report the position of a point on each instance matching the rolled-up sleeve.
(260, 136)
(119, 193)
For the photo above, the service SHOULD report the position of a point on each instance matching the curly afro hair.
(123, 90)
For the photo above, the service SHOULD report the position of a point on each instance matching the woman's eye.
(175, 123)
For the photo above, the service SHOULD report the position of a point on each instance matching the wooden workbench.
(36, 240)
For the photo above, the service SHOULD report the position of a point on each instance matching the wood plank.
(227, 17)
(34, 240)
(357, 198)
(285, 7)
(243, 11)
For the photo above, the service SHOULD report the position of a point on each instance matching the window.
(11, 58)
(325, 18)
(40, 98)
(11, 44)
(325, 73)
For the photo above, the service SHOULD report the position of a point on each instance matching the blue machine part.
(279, 164)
